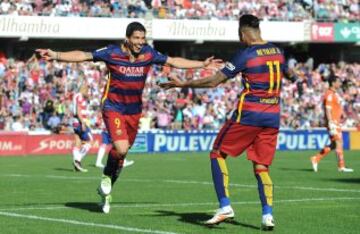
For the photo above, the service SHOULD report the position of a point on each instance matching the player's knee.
(121, 150)
(259, 168)
(217, 154)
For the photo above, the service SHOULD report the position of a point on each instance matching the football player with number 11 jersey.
(254, 125)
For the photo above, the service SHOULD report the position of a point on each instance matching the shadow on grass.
(95, 206)
(345, 180)
(200, 218)
(296, 169)
(64, 169)
(89, 206)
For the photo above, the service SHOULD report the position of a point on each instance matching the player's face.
(137, 41)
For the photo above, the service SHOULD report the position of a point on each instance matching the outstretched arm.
(209, 63)
(207, 82)
(71, 56)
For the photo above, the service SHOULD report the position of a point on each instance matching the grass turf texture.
(173, 193)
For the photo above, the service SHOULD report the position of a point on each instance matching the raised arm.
(71, 56)
(209, 63)
(207, 82)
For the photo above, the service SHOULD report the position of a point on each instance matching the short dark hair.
(332, 79)
(250, 21)
(134, 26)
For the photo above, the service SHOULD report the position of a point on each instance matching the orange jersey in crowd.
(332, 102)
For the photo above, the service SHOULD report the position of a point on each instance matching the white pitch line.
(323, 189)
(70, 177)
(235, 203)
(185, 182)
(255, 186)
(189, 204)
(75, 222)
(207, 183)
(54, 176)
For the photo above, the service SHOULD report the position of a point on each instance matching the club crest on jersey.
(230, 66)
(118, 132)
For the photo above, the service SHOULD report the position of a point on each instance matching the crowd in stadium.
(293, 10)
(36, 95)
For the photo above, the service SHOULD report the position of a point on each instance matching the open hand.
(213, 64)
(46, 54)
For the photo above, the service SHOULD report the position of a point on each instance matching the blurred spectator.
(17, 124)
(177, 113)
(25, 104)
(293, 10)
(54, 121)
(146, 121)
(163, 118)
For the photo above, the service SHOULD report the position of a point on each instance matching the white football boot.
(314, 163)
(221, 215)
(344, 169)
(104, 191)
(128, 163)
(78, 167)
(267, 223)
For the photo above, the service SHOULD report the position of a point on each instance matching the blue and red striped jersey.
(123, 92)
(262, 67)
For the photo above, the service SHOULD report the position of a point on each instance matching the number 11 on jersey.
(271, 65)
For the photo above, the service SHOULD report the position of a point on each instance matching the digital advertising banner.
(322, 32)
(347, 32)
(14, 144)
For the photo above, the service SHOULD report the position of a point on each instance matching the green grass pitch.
(173, 193)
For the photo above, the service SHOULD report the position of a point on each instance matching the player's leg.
(262, 152)
(111, 172)
(77, 156)
(116, 159)
(323, 153)
(100, 155)
(132, 129)
(86, 138)
(116, 127)
(128, 129)
(265, 189)
(232, 139)
(340, 154)
(220, 178)
(106, 140)
(76, 149)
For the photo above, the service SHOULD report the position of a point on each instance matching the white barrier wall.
(220, 30)
(114, 28)
(63, 27)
